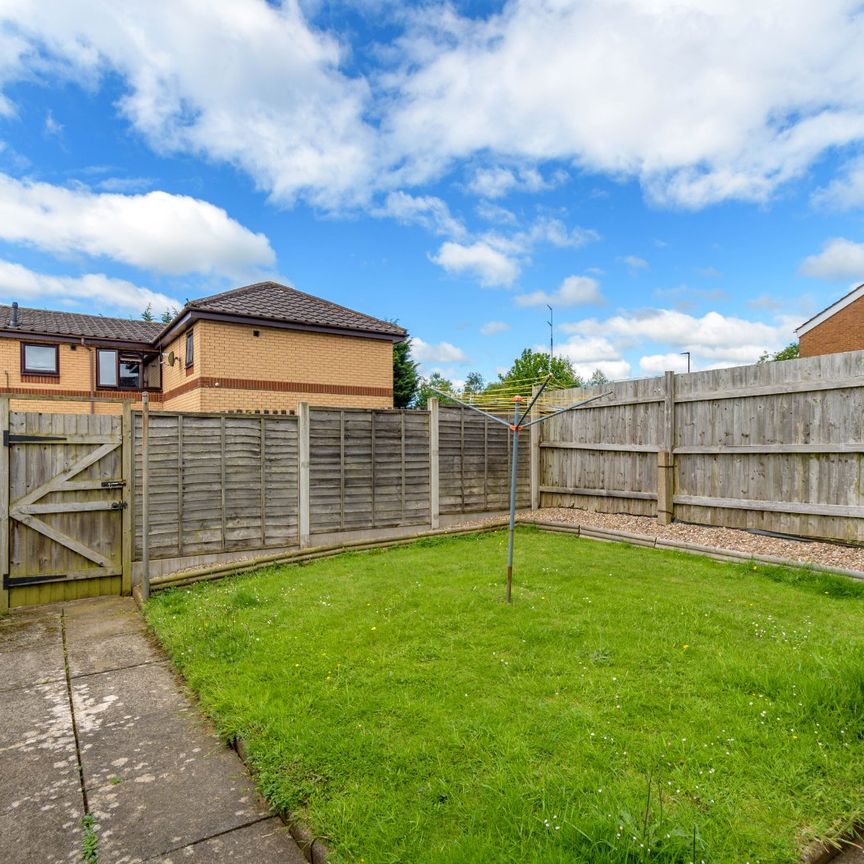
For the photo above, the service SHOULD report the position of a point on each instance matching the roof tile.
(51, 323)
(270, 300)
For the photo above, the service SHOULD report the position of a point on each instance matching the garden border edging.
(314, 849)
(650, 542)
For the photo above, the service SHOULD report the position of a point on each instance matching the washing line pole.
(514, 467)
(515, 428)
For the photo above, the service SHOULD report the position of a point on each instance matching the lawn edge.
(314, 849)
(652, 542)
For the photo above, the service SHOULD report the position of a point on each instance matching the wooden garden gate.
(63, 506)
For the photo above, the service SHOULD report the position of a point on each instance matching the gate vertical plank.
(4, 505)
(127, 537)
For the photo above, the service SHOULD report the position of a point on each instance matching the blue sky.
(669, 176)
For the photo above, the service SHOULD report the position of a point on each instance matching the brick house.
(838, 328)
(263, 347)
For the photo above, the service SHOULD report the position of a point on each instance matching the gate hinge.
(113, 484)
(119, 505)
(13, 438)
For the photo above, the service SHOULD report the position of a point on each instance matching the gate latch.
(113, 484)
(119, 505)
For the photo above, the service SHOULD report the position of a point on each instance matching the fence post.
(434, 475)
(666, 456)
(4, 504)
(535, 455)
(144, 584)
(303, 472)
(127, 436)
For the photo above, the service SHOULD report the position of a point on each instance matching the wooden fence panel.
(218, 483)
(773, 447)
(474, 464)
(604, 458)
(280, 481)
(368, 469)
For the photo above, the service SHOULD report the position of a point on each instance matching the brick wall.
(843, 331)
(235, 370)
(76, 367)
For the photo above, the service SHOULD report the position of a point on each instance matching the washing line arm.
(537, 395)
(472, 407)
(574, 407)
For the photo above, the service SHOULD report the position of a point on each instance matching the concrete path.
(93, 721)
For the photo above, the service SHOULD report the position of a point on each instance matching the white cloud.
(155, 231)
(492, 327)
(573, 291)
(589, 353)
(635, 264)
(426, 210)
(721, 339)
(480, 259)
(657, 364)
(52, 126)
(242, 82)
(92, 292)
(490, 212)
(442, 352)
(511, 251)
(701, 100)
(839, 259)
(678, 328)
(545, 230)
(845, 192)
(496, 182)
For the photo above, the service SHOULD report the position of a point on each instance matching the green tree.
(405, 376)
(598, 378)
(474, 383)
(147, 314)
(169, 315)
(791, 352)
(534, 365)
(428, 386)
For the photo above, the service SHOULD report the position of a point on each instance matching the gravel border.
(802, 552)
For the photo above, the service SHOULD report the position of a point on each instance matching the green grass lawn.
(628, 705)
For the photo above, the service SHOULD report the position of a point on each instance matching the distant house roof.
(279, 305)
(266, 303)
(833, 309)
(45, 322)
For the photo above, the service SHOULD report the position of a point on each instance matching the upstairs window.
(40, 359)
(190, 349)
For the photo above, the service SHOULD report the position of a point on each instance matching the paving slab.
(31, 649)
(124, 695)
(86, 624)
(159, 783)
(173, 805)
(266, 842)
(43, 834)
(87, 656)
(38, 762)
(127, 750)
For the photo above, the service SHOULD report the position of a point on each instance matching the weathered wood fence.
(227, 484)
(776, 447)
